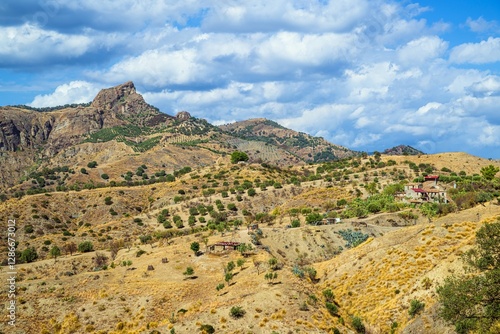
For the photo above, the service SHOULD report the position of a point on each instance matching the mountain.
(118, 129)
(402, 150)
(302, 145)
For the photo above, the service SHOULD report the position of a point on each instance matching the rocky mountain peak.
(183, 116)
(109, 98)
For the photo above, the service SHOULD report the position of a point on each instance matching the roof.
(431, 177)
(227, 243)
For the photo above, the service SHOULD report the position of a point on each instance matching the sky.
(365, 74)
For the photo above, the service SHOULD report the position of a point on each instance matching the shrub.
(328, 294)
(237, 312)
(251, 192)
(140, 252)
(92, 164)
(358, 325)
(208, 329)
(332, 308)
(295, 223)
(415, 307)
(85, 247)
(29, 255)
(238, 156)
(105, 176)
(195, 247)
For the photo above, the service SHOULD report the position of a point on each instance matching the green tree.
(489, 172)
(251, 192)
(92, 164)
(237, 312)
(55, 252)
(207, 329)
(189, 272)
(358, 325)
(415, 307)
(195, 247)
(29, 255)
(230, 266)
(472, 301)
(85, 246)
(238, 156)
(228, 277)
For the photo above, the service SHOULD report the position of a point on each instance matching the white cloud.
(477, 53)
(422, 50)
(488, 86)
(74, 92)
(481, 25)
(31, 45)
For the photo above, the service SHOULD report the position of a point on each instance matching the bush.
(238, 156)
(105, 176)
(332, 308)
(92, 164)
(140, 252)
(85, 247)
(208, 329)
(328, 294)
(251, 192)
(358, 325)
(415, 307)
(237, 312)
(29, 255)
(295, 223)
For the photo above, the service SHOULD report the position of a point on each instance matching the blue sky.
(366, 74)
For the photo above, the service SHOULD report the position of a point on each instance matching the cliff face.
(22, 129)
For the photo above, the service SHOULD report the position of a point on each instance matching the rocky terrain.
(120, 224)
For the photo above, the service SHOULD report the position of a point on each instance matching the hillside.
(133, 227)
(306, 147)
(127, 218)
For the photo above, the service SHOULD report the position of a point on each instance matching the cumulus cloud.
(477, 53)
(422, 50)
(73, 92)
(29, 44)
(364, 74)
(481, 25)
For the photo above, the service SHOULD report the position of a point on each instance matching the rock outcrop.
(52, 131)
(183, 116)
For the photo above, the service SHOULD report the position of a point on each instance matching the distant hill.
(302, 145)
(402, 150)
